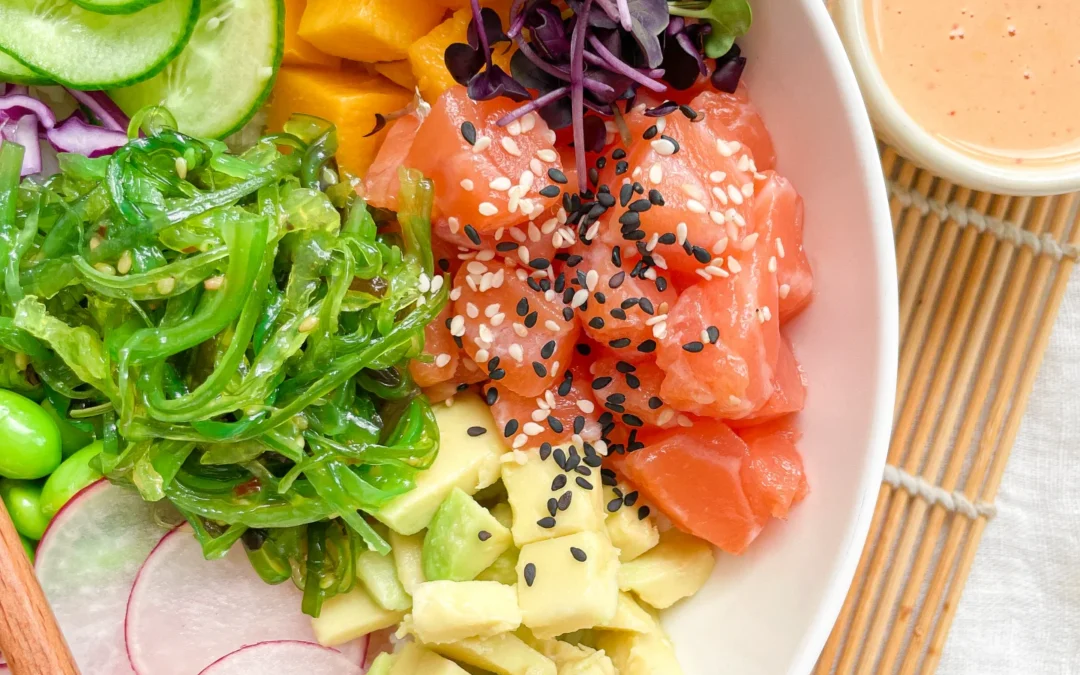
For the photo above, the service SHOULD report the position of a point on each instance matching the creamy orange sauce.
(997, 79)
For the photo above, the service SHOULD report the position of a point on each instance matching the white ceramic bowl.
(770, 611)
(896, 127)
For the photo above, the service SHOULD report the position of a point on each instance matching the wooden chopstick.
(30, 639)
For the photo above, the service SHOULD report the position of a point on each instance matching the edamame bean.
(73, 474)
(23, 501)
(29, 439)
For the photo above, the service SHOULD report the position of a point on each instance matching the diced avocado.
(448, 611)
(383, 664)
(630, 616)
(415, 660)
(503, 513)
(640, 653)
(568, 583)
(503, 654)
(675, 569)
(597, 663)
(529, 489)
(629, 532)
(407, 551)
(379, 576)
(349, 616)
(503, 570)
(491, 495)
(463, 540)
(469, 462)
(559, 651)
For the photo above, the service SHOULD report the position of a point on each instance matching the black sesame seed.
(559, 482)
(643, 513)
(582, 483)
(583, 469)
(471, 233)
(596, 322)
(617, 398)
(672, 141)
(630, 219)
(583, 349)
(506, 246)
(620, 343)
(557, 176)
(530, 574)
(640, 205)
(468, 132)
(548, 349)
(605, 199)
(493, 363)
(655, 402)
(555, 424)
(579, 424)
(601, 162)
(564, 386)
(617, 279)
(618, 313)
(523, 307)
(511, 428)
(631, 420)
(639, 188)
(614, 505)
(530, 319)
(661, 284)
(539, 368)
(607, 474)
(491, 396)
(560, 458)
(462, 387)
(497, 374)
(444, 264)
(693, 347)
(615, 407)
(701, 255)
(545, 451)
(477, 431)
(636, 235)
(578, 554)
(618, 153)
(565, 498)
(601, 382)
(539, 263)
(483, 535)
(713, 333)
(553, 506)
(568, 312)
(632, 381)
(625, 367)
(650, 133)
(666, 238)
(547, 522)
(646, 306)
(593, 460)
(626, 193)
(690, 113)
(606, 419)
(631, 498)
(656, 198)
(616, 256)
(550, 191)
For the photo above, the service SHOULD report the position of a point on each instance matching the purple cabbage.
(77, 136)
(108, 113)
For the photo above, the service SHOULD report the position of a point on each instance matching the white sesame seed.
(653, 320)
(748, 190)
(684, 421)
(523, 254)
(471, 310)
(516, 352)
(476, 267)
(593, 230)
(482, 354)
(455, 294)
(717, 176)
(693, 191)
(485, 255)
(635, 174)
(780, 248)
(784, 290)
(724, 148)
(715, 271)
(772, 264)
(661, 124)
(497, 280)
(579, 298)
(528, 122)
(549, 295)
(534, 232)
(720, 246)
(488, 209)
(502, 184)
(704, 274)
(168, 284)
(485, 333)
(123, 265)
(743, 164)
(482, 144)
(540, 414)
(586, 406)
(309, 324)
(514, 128)
(216, 282)
(680, 234)
(666, 415)
(442, 360)
(720, 195)
(520, 329)
(181, 167)
(551, 326)
(471, 282)
(695, 206)
(536, 167)
(467, 185)
(656, 173)
(454, 224)
(591, 278)
(550, 137)
(717, 217)
(510, 146)
(547, 155)
(660, 261)
(735, 195)
(498, 319)
(653, 240)
(663, 147)
(735, 146)
(734, 400)
(532, 429)
(749, 241)
(517, 235)
(520, 440)
(549, 398)
(491, 310)
(733, 265)
(766, 312)
(760, 316)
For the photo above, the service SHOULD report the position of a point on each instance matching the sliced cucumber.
(16, 73)
(223, 76)
(88, 50)
(115, 6)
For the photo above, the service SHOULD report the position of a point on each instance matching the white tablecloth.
(1020, 613)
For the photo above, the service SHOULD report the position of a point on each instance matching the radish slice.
(284, 657)
(185, 612)
(87, 562)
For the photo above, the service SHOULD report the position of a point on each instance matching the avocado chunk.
(503, 514)
(415, 660)
(407, 552)
(351, 615)
(503, 654)
(629, 532)
(379, 576)
(469, 462)
(503, 570)
(568, 583)
(630, 616)
(640, 653)
(529, 491)
(448, 611)
(383, 664)
(677, 568)
(463, 540)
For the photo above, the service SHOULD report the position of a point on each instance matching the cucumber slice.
(16, 73)
(87, 50)
(223, 76)
(115, 6)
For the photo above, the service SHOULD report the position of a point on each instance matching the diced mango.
(398, 72)
(368, 30)
(428, 54)
(349, 100)
(298, 51)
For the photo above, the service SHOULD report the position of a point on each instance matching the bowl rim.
(898, 128)
(820, 22)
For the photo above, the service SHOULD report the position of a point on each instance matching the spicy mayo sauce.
(995, 79)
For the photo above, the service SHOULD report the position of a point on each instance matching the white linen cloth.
(1020, 611)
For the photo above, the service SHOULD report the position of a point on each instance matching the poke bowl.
(470, 336)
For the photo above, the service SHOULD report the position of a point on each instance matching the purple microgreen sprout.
(614, 64)
(729, 70)
(729, 19)
(577, 89)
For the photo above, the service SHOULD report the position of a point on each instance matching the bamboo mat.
(981, 280)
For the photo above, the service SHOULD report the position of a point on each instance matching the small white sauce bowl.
(895, 126)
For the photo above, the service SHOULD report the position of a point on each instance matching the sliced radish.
(284, 657)
(87, 562)
(186, 612)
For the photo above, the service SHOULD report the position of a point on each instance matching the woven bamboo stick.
(1020, 353)
(965, 340)
(959, 450)
(937, 374)
(909, 230)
